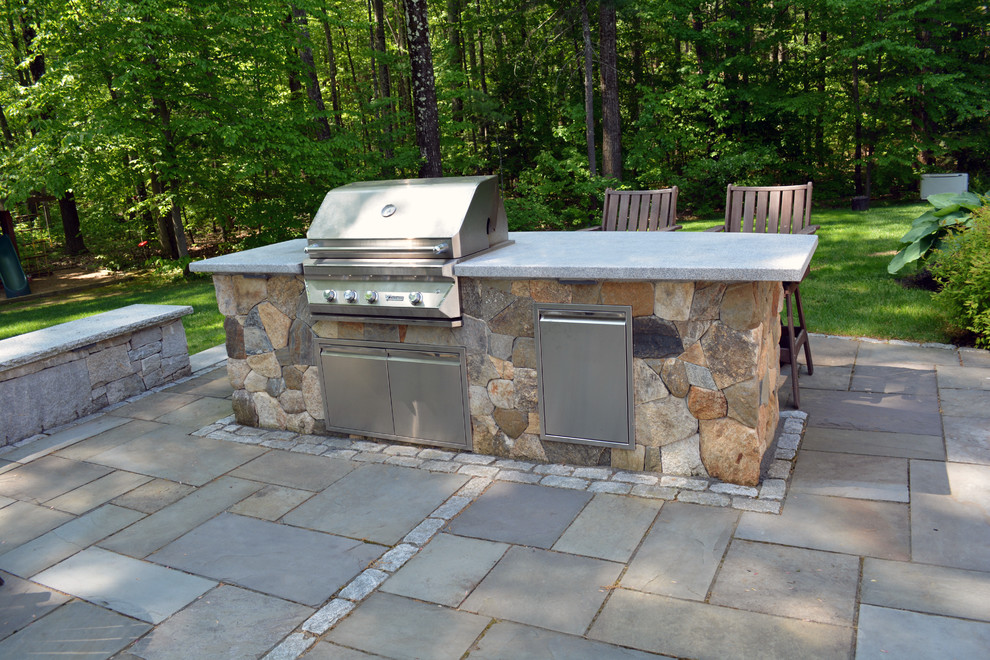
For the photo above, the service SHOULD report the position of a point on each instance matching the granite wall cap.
(40, 344)
(277, 259)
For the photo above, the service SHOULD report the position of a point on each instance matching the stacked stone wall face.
(49, 392)
(705, 366)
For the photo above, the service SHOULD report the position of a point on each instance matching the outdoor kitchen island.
(653, 351)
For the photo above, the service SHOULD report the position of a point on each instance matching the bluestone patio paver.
(966, 403)
(970, 378)
(890, 633)
(826, 377)
(874, 443)
(47, 478)
(66, 540)
(695, 630)
(98, 492)
(130, 586)
(271, 502)
(837, 524)
(831, 351)
(609, 527)
(903, 355)
(60, 439)
(164, 526)
(294, 470)
(176, 456)
(76, 629)
(154, 495)
(101, 442)
(414, 630)
(851, 475)
(243, 551)
(380, 503)
(506, 640)
(967, 439)
(894, 380)
(543, 588)
(682, 552)
(22, 522)
(214, 384)
(22, 602)
(867, 411)
(926, 588)
(153, 405)
(227, 622)
(810, 585)
(446, 570)
(328, 651)
(947, 500)
(525, 514)
(201, 412)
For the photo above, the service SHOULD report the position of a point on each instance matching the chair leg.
(792, 351)
(804, 330)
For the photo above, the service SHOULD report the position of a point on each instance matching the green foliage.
(558, 193)
(950, 212)
(962, 267)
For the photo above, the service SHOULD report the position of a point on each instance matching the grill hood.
(446, 218)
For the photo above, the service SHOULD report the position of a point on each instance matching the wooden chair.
(640, 210)
(777, 210)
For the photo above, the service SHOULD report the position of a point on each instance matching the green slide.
(14, 280)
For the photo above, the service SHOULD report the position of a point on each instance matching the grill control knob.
(416, 298)
(371, 296)
(350, 296)
(330, 295)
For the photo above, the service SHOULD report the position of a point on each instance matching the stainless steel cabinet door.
(355, 384)
(585, 374)
(428, 396)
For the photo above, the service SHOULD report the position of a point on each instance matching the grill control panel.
(328, 293)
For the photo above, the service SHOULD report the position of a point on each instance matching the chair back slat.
(640, 210)
(767, 209)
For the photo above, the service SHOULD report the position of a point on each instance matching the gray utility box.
(584, 375)
(932, 184)
(409, 392)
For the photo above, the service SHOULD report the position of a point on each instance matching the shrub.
(950, 212)
(962, 267)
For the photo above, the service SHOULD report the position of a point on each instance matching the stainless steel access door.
(584, 354)
(427, 395)
(405, 392)
(355, 389)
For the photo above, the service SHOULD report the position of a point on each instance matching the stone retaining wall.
(55, 389)
(705, 367)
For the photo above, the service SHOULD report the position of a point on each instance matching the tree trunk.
(309, 73)
(332, 67)
(70, 224)
(455, 57)
(424, 88)
(589, 90)
(611, 122)
(383, 75)
(166, 233)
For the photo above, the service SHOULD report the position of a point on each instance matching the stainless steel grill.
(384, 251)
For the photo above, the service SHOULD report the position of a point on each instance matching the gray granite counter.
(655, 256)
(279, 259)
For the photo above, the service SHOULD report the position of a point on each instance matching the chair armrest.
(810, 229)
(598, 228)
(671, 228)
(721, 228)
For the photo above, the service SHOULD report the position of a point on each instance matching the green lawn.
(849, 291)
(204, 327)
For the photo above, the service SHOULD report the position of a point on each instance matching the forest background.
(170, 120)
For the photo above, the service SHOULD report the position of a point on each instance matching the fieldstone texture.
(704, 376)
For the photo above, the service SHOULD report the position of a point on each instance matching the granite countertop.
(688, 256)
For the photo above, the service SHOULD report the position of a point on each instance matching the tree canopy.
(160, 118)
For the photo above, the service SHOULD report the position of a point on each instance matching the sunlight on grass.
(849, 292)
(204, 327)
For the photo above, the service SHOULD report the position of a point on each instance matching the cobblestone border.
(697, 490)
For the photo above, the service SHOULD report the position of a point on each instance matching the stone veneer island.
(706, 327)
